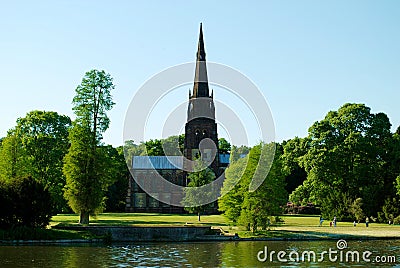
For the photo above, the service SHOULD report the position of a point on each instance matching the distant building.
(200, 126)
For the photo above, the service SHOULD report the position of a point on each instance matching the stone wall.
(144, 233)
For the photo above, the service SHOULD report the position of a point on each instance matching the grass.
(27, 233)
(143, 219)
(294, 226)
(306, 227)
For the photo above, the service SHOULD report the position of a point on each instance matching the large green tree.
(253, 209)
(345, 160)
(83, 166)
(44, 137)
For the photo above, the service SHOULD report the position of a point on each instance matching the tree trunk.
(84, 217)
(198, 214)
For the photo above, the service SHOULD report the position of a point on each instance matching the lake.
(385, 253)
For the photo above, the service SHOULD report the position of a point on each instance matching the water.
(198, 254)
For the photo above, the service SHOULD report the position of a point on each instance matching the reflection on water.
(207, 254)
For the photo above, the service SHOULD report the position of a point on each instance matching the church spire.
(200, 88)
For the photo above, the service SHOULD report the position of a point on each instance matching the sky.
(306, 57)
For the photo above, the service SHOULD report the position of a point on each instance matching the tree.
(224, 146)
(260, 205)
(235, 185)
(14, 161)
(35, 147)
(118, 173)
(238, 152)
(154, 147)
(293, 151)
(356, 210)
(254, 209)
(82, 165)
(193, 196)
(391, 209)
(173, 145)
(346, 157)
(44, 136)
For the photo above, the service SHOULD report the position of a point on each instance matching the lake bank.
(160, 227)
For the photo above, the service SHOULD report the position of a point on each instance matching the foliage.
(44, 136)
(397, 184)
(193, 193)
(224, 146)
(309, 209)
(253, 209)
(396, 220)
(91, 102)
(14, 161)
(85, 167)
(154, 148)
(35, 147)
(266, 201)
(87, 178)
(238, 152)
(172, 145)
(293, 151)
(118, 173)
(356, 209)
(24, 202)
(232, 192)
(391, 209)
(346, 156)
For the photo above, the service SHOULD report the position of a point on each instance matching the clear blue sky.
(307, 57)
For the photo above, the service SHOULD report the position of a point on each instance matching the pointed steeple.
(200, 88)
(201, 52)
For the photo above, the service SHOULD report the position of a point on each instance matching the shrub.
(396, 220)
(391, 208)
(6, 206)
(309, 208)
(24, 202)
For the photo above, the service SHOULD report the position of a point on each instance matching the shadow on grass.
(301, 235)
(129, 219)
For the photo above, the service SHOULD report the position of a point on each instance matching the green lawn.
(294, 226)
(307, 227)
(129, 219)
(26, 233)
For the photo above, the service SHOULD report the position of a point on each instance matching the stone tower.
(201, 137)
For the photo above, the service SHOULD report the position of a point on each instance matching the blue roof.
(166, 162)
(157, 162)
(224, 158)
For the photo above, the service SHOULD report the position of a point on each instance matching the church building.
(201, 140)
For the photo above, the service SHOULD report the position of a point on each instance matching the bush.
(24, 202)
(6, 206)
(391, 209)
(396, 220)
(310, 209)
